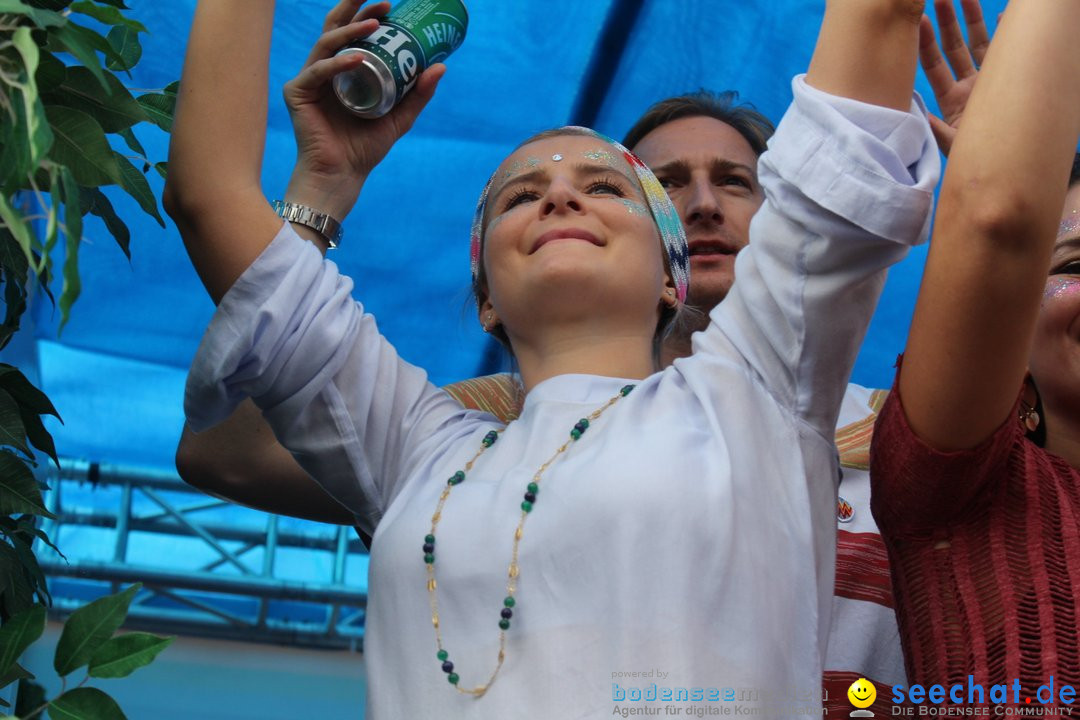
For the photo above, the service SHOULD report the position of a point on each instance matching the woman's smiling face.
(566, 215)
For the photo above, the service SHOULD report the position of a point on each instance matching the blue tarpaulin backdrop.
(116, 373)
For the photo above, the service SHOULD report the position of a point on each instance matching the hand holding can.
(413, 36)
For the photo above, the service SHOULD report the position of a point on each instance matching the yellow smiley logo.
(862, 693)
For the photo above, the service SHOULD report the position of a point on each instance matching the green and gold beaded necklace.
(527, 505)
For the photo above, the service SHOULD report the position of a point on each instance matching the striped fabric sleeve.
(853, 440)
(500, 395)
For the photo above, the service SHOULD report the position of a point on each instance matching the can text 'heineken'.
(413, 36)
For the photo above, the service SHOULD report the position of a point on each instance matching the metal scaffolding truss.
(208, 567)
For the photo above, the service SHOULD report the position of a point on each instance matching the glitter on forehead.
(604, 156)
(1070, 225)
(1059, 288)
(519, 165)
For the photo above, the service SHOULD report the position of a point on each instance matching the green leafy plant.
(88, 640)
(55, 124)
(63, 114)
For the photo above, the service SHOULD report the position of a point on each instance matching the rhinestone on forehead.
(556, 157)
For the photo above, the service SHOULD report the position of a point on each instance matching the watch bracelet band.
(320, 222)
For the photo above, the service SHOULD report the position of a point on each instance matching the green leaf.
(41, 17)
(12, 380)
(162, 169)
(15, 162)
(16, 672)
(115, 110)
(81, 146)
(31, 403)
(16, 595)
(39, 437)
(29, 698)
(14, 273)
(160, 108)
(115, 3)
(136, 186)
(85, 703)
(95, 202)
(72, 286)
(25, 526)
(15, 223)
(125, 42)
(31, 569)
(107, 15)
(51, 72)
(129, 137)
(19, 491)
(89, 627)
(22, 535)
(37, 128)
(84, 44)
(16, 635)
(56, 5)
(124, 654)
(52, 224)
(12, 429)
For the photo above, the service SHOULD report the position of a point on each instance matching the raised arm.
(849, 179)
(213, 191)
(866, 51)
(999, 209)
(240, 459)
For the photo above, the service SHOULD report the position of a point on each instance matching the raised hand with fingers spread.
(952, 66)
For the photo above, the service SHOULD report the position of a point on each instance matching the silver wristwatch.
(320, 222)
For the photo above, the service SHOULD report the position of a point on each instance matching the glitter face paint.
(601, 156)
(615, 162)
(633, 207)
(1070, 225)
(519, 165)
(1059, 288)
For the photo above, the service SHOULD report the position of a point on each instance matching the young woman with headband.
(619, 523)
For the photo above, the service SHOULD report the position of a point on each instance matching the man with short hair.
(704, 149)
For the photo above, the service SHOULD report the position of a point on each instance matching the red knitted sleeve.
(916, 489)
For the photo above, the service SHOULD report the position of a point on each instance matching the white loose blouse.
(690, 534)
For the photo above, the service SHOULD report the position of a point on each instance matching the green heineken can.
(416, 34)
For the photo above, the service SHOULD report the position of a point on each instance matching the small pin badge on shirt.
(844, 511)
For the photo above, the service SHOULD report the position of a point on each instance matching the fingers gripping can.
(416, 34)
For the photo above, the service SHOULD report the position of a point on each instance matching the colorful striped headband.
(663, 212)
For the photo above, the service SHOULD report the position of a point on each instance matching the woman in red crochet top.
(982, 524)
